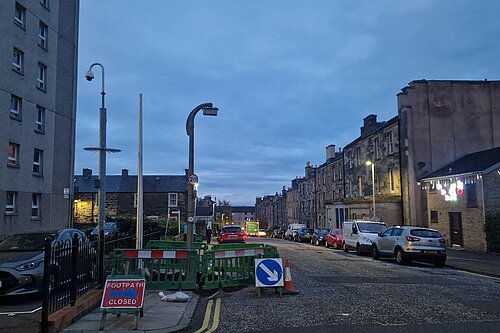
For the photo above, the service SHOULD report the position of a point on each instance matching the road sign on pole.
(269, 272)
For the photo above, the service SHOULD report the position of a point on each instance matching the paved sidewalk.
(480, 263)
(159, 316)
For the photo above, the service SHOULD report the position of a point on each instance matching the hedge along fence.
(492, 231)
(224, 266)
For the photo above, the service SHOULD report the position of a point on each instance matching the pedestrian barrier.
(163, 269)
(165, 264)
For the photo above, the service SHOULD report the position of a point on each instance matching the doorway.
(456, 231)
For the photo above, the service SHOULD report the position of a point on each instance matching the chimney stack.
(124, 173)
(86, 173)
(330, 152)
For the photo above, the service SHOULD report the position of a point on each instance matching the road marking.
(206, 320)
(20, 312)
(215, 322)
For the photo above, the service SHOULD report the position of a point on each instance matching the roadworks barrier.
(165, 264)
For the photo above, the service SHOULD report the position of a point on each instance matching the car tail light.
(412, 239)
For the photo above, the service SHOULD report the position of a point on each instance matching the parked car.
(319, 236)
(278, 233)
(111, 230)
(408, 243)
(262, 233)
(291, 231)
(231, 234)
(304, 235)
(22, 260)
(334, 239)
(359, 235)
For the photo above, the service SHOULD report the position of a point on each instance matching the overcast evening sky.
(289, 78)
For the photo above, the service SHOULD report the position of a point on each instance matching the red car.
(231, 234)
(334, 239)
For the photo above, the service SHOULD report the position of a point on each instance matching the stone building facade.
(37, 124)
(325, 188)
(270, 211)
(163, 196)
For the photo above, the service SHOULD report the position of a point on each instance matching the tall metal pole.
(139, 229)
(190, 187)
(373, 189)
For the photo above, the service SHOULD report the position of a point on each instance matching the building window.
(43, 34)
(16, 106)
(172, 199)
(18, 61)
(20, 15)
(37, 161)
(377, 147)
(40, 119)
(391, 180)
(358, 156)
(434, 216)
(470, 191)
(35, 205)
(10, 205)
(349, 158)
(13, 155)
(360, 186)
(390, 143)
(42, 77)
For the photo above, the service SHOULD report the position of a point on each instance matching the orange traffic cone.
(288, 288)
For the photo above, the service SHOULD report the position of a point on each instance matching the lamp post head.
(210, 111)
(368, 163)
(89, 75)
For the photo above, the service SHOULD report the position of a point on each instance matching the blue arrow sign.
(269, 272)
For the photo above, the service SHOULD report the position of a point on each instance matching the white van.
(359, 235)
(291, 231)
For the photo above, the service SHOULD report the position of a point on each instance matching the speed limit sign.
(193, 179)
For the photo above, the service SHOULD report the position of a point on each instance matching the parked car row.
(404, 243)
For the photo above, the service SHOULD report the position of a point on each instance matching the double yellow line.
(206, 327)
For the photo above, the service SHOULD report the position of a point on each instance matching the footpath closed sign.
(269, 272)
(123, 293)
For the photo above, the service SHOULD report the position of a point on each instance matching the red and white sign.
(123, 293)
(155, 254)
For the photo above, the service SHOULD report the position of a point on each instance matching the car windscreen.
(306, 230)
(374, 228)
(322, 232)
(425, 233)
(25, 242)
(339, 232)
(231, 229)
(109, 226)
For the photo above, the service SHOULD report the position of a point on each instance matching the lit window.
(10, 205)
(40, 119)
(42, 35)
(390, 143)
(35, 205)
(13, 154)
(172, 199)
(37, 161)
(18, 61)
(42, 77)
(20, 15)
(16, 106)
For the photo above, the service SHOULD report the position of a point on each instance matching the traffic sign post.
(269, 273)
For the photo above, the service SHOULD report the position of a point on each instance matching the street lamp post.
(208, 110)
(101, 188)
(373, 185)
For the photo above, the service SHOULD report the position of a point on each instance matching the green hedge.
(492, 230)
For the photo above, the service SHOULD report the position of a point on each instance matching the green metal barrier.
(167, 244)
(163, 269)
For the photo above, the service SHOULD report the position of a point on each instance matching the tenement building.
(38, 70)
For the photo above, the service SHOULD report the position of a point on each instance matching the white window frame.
(36, 199)
(20, 15)
(43, 32)
(42, 77)
(175, 197)
(37, 161)
(16, 106)
(18, 60)
(13, 160)
(377, 148)
(40, 119)
(11, 203)
(390, 143)
(360, 186)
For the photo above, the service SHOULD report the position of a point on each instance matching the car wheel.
(400, 257)
(335, 246)
(317, 242)
(312, 242)
(326, 244)
(358, 249)
(375, 253)
(440, 262)
(345, 247)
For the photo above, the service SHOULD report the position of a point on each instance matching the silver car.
(408, 243)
